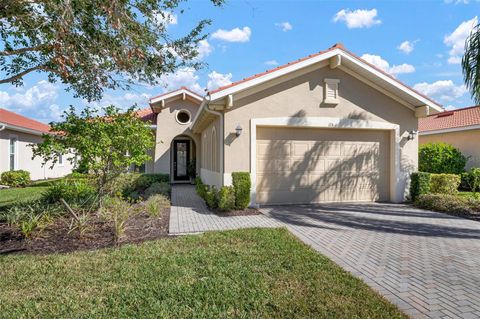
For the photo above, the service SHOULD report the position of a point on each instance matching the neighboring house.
(16, 133)
(460, 128)
(328, 127)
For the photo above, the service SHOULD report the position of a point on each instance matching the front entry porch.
(182, 159)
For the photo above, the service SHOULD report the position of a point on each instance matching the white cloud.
(285, 26)
(42, 93)
(357, 18)
(184, 77)
(382, 64)
(444, 90)
(122, 101)
(204, 49)
(234, 35)
(271, 62)
(407, 46)
(456, 39)
(165, 18)
(216, 79)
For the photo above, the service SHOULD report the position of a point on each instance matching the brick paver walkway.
(190, 215)
(426, 263)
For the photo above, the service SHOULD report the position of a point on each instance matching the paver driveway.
(426, 263)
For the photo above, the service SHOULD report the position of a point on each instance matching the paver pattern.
(189, 214)
(426, 263)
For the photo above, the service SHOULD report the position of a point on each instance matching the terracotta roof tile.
(146, 115)
(9, 117)
(450, 119)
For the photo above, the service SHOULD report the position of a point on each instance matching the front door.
(181, 156)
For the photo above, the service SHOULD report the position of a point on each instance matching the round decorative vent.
(183, 117)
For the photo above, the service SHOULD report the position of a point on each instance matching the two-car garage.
(308, 165)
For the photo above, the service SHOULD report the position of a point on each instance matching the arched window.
(214, 150)
(204, 150)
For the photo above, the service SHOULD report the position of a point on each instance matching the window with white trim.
(12, 153)
(331, 92)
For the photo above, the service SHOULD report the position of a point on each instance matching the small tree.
(441, 158)
(107, 145)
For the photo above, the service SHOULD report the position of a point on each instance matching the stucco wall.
(468, 142)
(302, 96)
(167, 129)
(210, 154)
(24, 157)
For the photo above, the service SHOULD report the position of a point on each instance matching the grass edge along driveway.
(243, 273)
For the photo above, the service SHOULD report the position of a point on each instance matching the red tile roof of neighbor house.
(450, 119)
(146, 115)
(11, 118)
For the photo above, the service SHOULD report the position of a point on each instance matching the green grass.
(11, 196)
(253, 273)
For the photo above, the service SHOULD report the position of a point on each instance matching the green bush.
(19, 178)
(200, 188)
(211, 197)
(419, 184)
(241, 184)
(226, 198)
(447, 203)
(158, 188)
(444, 184)
(144, 181)
(155, 203)
(441, 158)
(80, 192)
(471, 180)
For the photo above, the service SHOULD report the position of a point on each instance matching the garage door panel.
(319, 165)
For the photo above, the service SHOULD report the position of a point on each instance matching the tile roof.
(11, 118)
(146, 115)
(450, 119)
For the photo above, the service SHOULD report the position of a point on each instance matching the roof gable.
(461, 118)
(19, 122)
(158, 102)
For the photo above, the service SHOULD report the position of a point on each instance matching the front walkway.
(189, 214)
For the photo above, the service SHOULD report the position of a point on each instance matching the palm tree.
(471, 63)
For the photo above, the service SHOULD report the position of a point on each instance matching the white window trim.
(396, 192)
(189, 117)
(63, 160)
(10, 136)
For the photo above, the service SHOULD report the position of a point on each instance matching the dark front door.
(181, 156)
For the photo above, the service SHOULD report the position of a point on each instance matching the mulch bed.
(242, 212)
(55, 237)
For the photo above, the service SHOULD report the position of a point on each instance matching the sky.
(418, 42)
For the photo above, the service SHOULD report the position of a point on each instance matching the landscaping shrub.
(158, 188)
(144, 181)
(200, 187)
(155, 203)
(447, 203)
(117, 211)
(226, 198)
(471, 180)
(444, 184)
(211, 197)
(80, 192)
(441, 158)
(419, 184)
(241, 184)
(19, 178)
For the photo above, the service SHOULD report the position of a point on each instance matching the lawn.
(245, 273)
(17, 195)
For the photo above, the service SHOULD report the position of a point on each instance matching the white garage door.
(309, 165)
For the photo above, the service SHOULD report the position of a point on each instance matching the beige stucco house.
(460, 128)
(328, 127)
(17, 132)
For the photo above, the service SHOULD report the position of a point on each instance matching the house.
(328, 127)
(460, 128)
(16, 133)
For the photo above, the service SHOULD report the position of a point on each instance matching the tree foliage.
(471, 63)
(93, 45)
(107, 144)
(441, 158)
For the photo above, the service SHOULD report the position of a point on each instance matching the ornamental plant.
(441, 158)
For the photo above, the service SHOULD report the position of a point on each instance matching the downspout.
(2, 127)
(221, 135)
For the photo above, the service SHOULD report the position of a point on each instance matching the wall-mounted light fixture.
(238, 130)
(411, 135)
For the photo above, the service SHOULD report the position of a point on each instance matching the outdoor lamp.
(238, 130)
(411, 135)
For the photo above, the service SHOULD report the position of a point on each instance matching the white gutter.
(21, 129)
(221, 135)
(452, 129)
(2, 127)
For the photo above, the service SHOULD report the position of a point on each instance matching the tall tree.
(93, 45)
(471, 63)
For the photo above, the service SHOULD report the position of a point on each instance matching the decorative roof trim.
(451, 129)
(180, 91)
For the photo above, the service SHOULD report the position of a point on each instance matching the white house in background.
(16, 133)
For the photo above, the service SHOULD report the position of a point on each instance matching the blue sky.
(420, 43)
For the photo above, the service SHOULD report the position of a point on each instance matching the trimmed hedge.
(226, 198)
(211, 197)
(241, 184)
(18, 178)
(441, 158)
(444, 184)
(471, 180)
(448, 203)
(419, 184)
